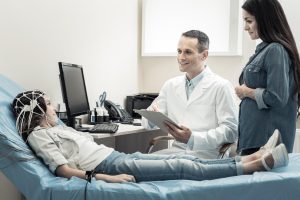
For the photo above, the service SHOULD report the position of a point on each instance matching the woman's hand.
(120, 178)
(243, 91)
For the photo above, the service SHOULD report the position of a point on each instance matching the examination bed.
(32, 178)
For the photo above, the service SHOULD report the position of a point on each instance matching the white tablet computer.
(156, 118)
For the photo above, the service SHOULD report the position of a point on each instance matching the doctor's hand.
(181, 134)
(153, 107)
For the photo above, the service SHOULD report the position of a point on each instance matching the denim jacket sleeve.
(277, 63)
(271, 89)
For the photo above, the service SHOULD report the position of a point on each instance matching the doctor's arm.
(158, 105)
(227, 123)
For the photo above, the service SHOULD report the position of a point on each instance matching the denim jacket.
(270, 72)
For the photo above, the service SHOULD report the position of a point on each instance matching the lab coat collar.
(204, 83)
(180, 89)
(199, 89)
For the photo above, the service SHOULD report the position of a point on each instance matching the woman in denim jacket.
(269, 83)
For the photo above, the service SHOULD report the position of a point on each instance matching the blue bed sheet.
(36, 182)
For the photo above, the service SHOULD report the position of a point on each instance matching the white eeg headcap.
(24, 109)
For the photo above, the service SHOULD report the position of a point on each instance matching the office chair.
(227, 148)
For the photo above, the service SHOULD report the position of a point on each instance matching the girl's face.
(250, 25)
(51, 117)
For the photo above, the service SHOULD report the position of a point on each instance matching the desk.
(130, 139)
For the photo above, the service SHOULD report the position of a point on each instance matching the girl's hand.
(120, 178)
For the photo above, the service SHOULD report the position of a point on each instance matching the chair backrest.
(35, 181)
(10, 140)
(16, 158)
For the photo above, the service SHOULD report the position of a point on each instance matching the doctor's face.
(250, 25)
(188, 56)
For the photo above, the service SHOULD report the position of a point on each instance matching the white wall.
(291, 8)
(184, 15)
(104, 37)
(156, 70)
(98, 34)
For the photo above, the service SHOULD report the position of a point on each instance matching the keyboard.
(104, 128)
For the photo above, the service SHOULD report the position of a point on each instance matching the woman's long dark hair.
(272, 26)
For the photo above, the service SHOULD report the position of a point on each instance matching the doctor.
(201, 102)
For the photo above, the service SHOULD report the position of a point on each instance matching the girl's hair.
(272, 26)
(29, 109)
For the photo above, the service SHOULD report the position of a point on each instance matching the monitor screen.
(73, 90)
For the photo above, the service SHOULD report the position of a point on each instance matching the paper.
(156, 118)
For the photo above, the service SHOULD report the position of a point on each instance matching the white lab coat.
(210, 112)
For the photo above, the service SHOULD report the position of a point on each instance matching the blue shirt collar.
(193, 82)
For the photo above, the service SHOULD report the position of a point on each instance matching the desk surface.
(129, 138)
(124, 129)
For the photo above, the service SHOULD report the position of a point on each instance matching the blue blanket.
(36, 182)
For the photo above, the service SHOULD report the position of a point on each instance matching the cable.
(85, 189)
(88, 178)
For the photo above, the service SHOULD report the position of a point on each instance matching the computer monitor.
(73, 90)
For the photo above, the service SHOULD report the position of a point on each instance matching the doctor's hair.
(203, 40)
(272, 26)
(29, 109)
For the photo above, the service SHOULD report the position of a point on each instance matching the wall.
(98, 34)
(156, 70)
(292, 13)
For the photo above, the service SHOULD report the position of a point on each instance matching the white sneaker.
(273, 141)
(280, 157)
